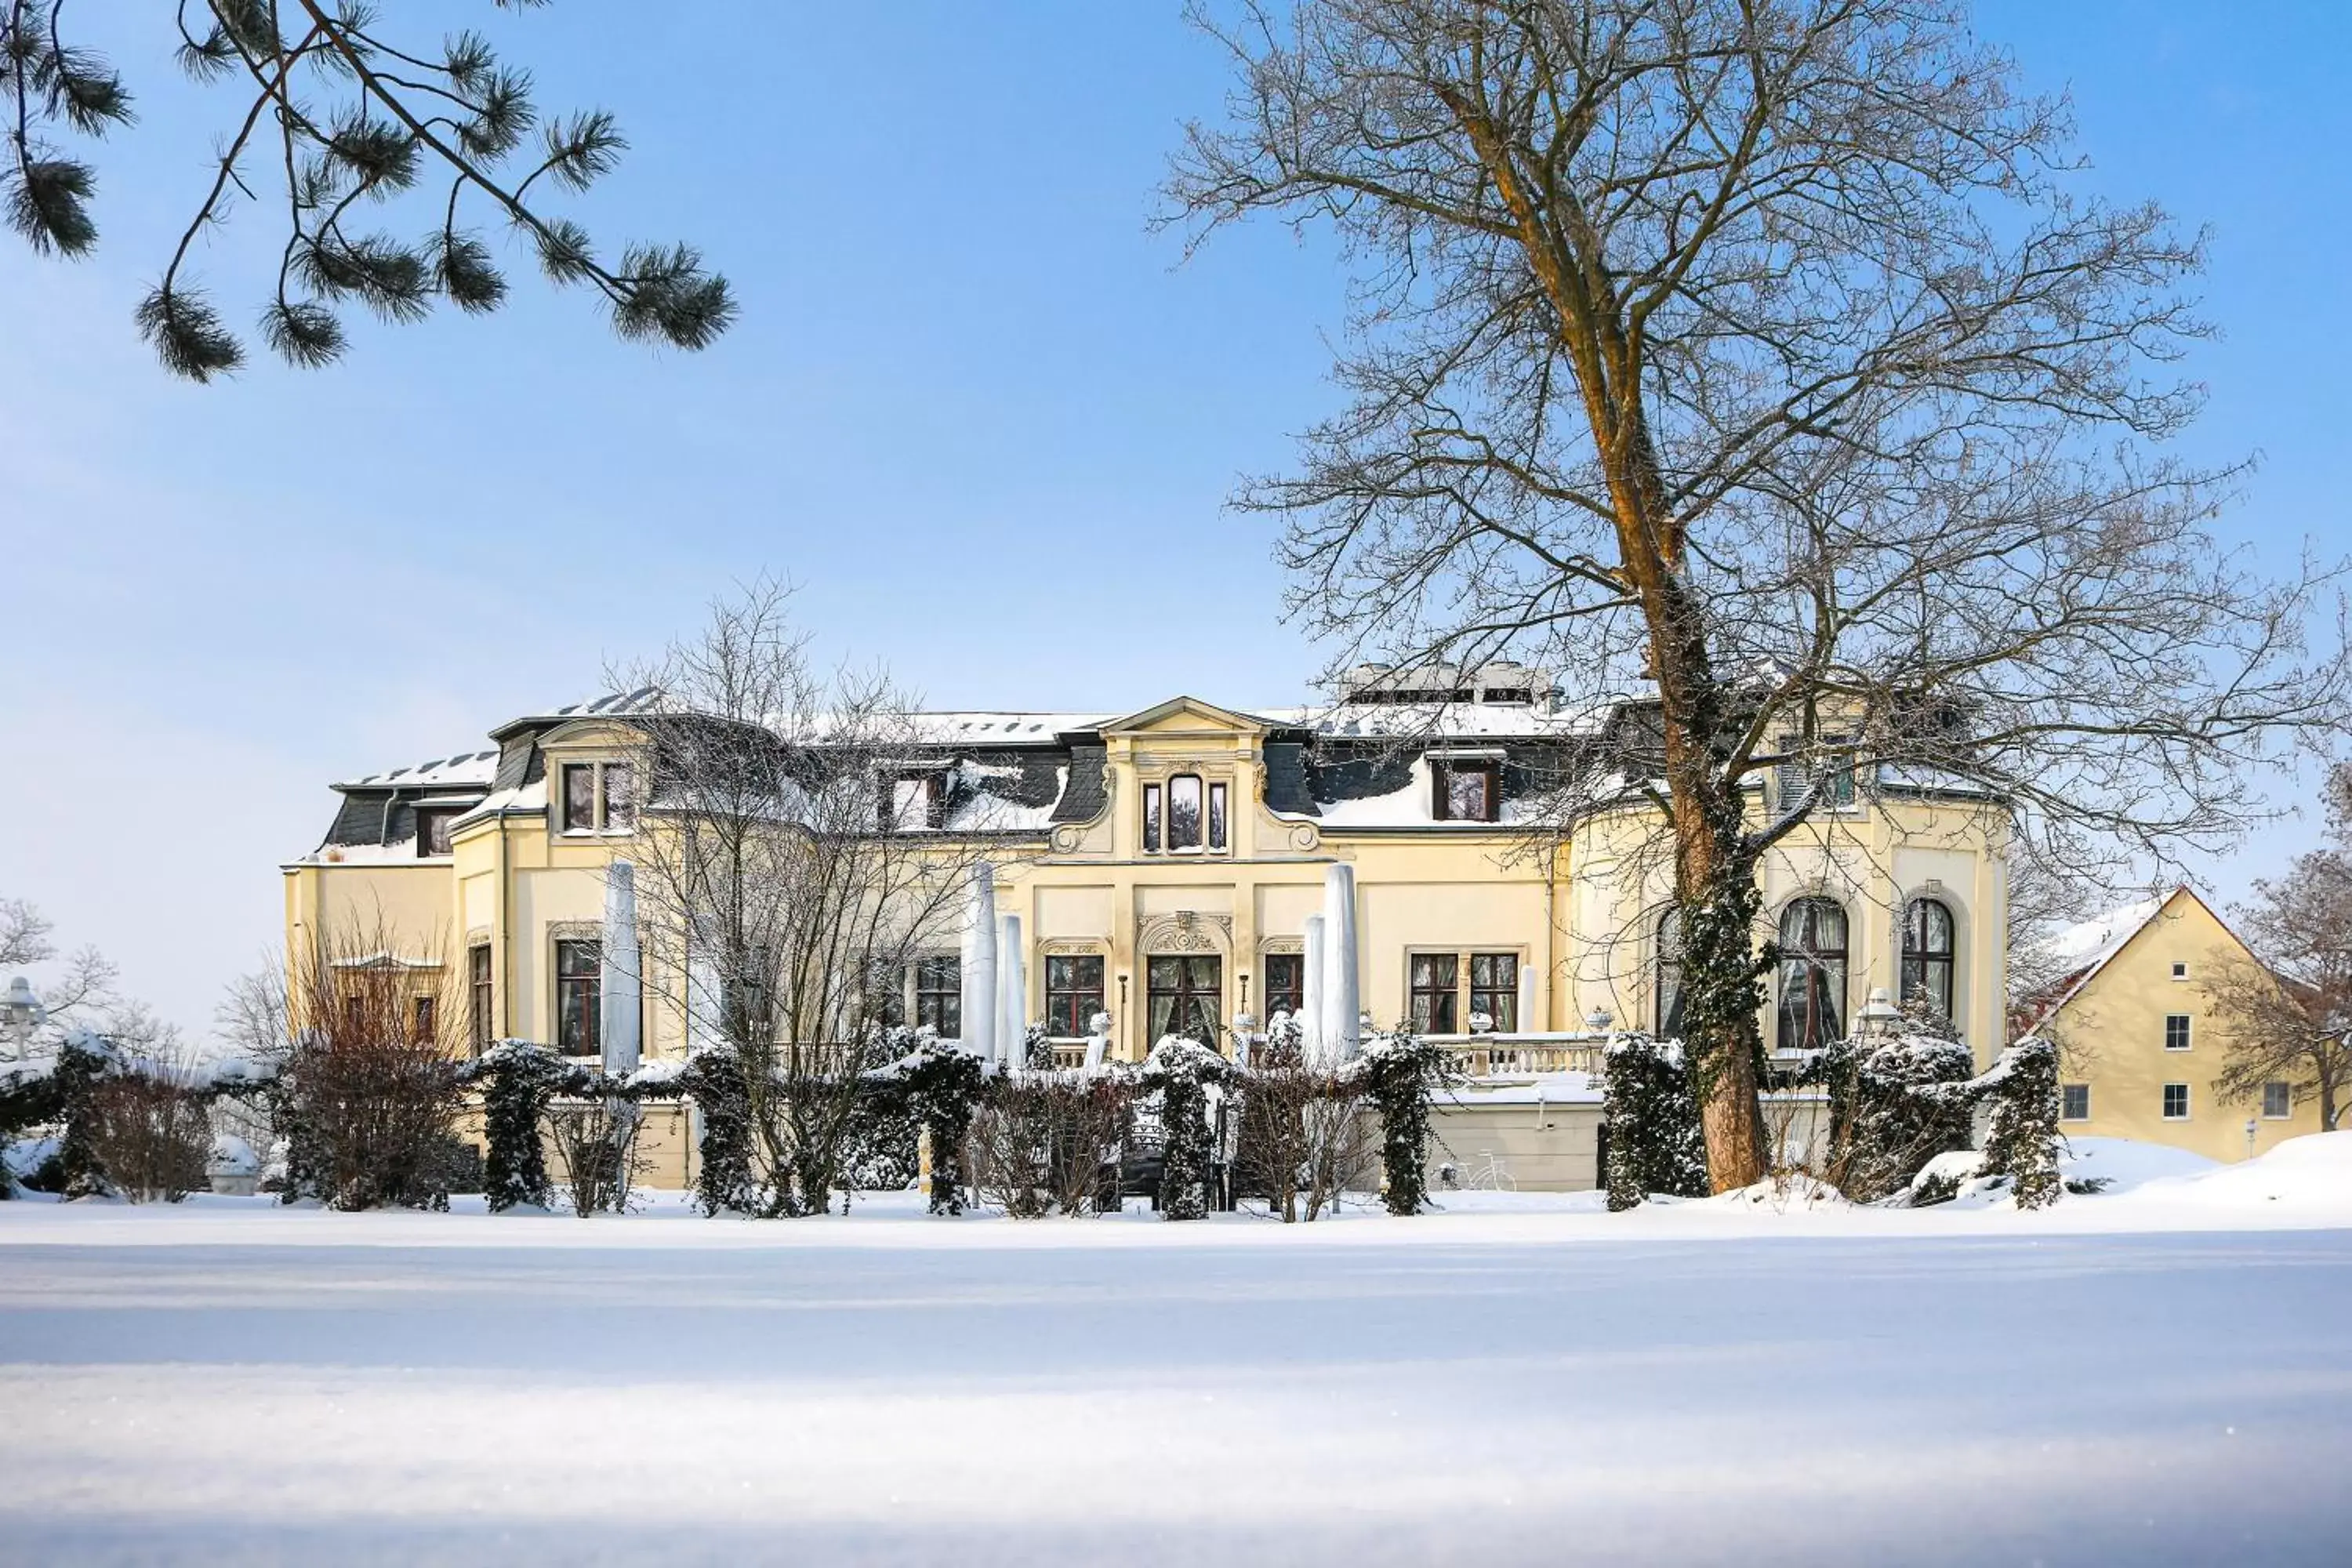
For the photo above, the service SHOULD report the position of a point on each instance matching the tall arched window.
(1813, 974)
(1666, 996)
(1927, 967)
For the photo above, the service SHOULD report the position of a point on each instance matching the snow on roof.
(1002, 729)
(2095, 940)
(2083, 950)
(636, 702)
(460, 769)
(1443, 721)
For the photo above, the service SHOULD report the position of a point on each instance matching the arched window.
(1813, 974)
(1927, 967)
(1666, 995)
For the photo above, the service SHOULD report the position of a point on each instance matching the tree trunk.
(1715, 887)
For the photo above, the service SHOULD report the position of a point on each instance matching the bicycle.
(1485, 1174)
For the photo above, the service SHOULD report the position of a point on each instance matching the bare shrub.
(151, 1133)
(1304, 1139)
(1042, 1141)
(369, 1094)
(597, 1145)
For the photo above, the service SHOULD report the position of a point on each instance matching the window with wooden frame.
(422, 1017)
(597, 797)
(618, 782)
(1812, 973)
(1154, 796)
(1074, 993)
(2176, 1102)
(2278, 1101)
(939, 993)
(886, 994)
(1286, 982)
(2074, 1102)
(481, 994)
(1446, 992)
(2176, 1031)
(1434, 994)
(433, 830)
(1929, 953)
(1184, 994)
(579, 997)
(1466, 790)
(1217, 827)
(1495, 991)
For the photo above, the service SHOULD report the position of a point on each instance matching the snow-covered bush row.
(1898, 1106)
(124, 1122)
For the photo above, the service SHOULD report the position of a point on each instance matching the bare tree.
(2288, 1016)
(787, 881)
(2043, 899)
(1759, 360)
(83, 985)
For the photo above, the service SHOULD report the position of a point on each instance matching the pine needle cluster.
(339, 122)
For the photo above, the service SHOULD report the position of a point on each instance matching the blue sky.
(975, 406)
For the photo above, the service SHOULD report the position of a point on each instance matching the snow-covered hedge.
(933, 1091)
(1649, 1123)
(2022, 1140)
(1899, 1106)
(1402, 1075)
(1894, 1105)
(1182, 1072)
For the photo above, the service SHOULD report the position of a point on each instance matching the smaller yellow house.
(2141, 1040)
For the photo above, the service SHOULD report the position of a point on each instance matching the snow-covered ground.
(2159, 1373)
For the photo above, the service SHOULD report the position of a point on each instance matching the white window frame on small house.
(2280, 1093)
(2069, 1096)
(2186, 1034)
(2165, 1104)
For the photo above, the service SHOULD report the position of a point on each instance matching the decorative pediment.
(1186, 932)
(1187, 716)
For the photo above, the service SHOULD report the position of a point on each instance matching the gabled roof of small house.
(2088, 947)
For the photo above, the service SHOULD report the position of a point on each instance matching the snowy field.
(2159, 1373)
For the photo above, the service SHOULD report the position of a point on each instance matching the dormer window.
(914, 800)
(599, 797)
(1836, 776)
(433, 826)
(1466, 790)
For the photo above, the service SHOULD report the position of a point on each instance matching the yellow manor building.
(1165, 865)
